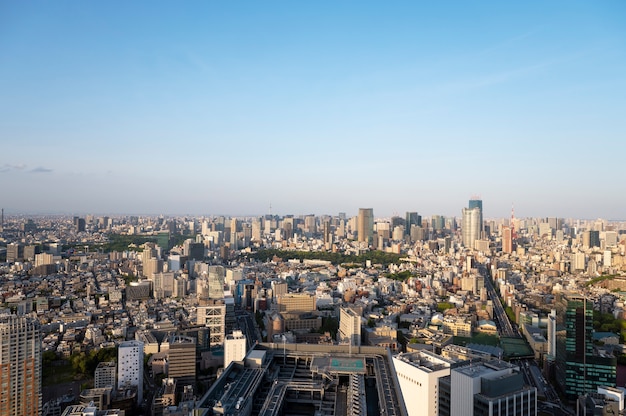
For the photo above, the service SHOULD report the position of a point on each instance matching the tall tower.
(365, 225)
(476, 202)
(471, 226)
(130, 366)
(20, 366)
(580, 369)
(507, 240)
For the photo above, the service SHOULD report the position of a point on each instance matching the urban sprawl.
(312, 315)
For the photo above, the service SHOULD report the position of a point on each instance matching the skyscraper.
(580, 367)
(478, 203)
(412, 218)
(20, 366)
(471, 226)
(130, 366)
(365, 225)
(507, 240)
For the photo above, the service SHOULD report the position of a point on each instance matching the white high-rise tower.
(130, 366)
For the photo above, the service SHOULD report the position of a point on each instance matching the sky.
(230, 108)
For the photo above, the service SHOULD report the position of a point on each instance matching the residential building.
(20, 366)
(130, 366)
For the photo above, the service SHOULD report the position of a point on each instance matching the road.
(503, 323)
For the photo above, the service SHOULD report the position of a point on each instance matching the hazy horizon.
(313, 107)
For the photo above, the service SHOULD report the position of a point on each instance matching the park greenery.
(444, 306)
(375, 256)
(600, 279)
(123, 242)
(401, 276)
(606, 322)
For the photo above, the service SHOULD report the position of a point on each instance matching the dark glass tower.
(580, 368)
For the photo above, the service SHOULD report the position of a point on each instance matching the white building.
(487, 388)
(130, 366)
(349, 326)
(105, 375)
(418, 374)
(234, 347)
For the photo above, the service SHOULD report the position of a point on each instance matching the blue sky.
(315, 107)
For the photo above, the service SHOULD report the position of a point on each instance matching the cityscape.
(312, 315)
(312, 208)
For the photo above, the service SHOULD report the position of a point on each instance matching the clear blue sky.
(225, 107)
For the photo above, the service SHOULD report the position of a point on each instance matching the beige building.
(296, 302)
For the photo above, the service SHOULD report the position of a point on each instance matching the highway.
(503, 323)
(528, 367)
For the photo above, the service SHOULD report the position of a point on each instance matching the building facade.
(580, 367)
(365, 225)
(20, 366)
(130, 366)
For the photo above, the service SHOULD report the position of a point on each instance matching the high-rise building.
(552, 335)
(213, 316)
(130, 366)
(181, 358)
(105, 375)
(349, 327)
(471, 226)
(15, 252)
(478, 203)
(234, 347)
(216, 282)
(79, 224)
(507, 240)
(365, 225)
(20, 366)
(580, 367)
(412, 218)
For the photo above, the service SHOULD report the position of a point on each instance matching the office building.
(349, 327)
(234, 347)
(418, 375)
(365, 225)
(580, 367)
(216, 282)
(507, 240)
(105, 375)
(181, 359)
(15, 252)
(212, 315)
(486, 389)
(20, 366)
(292, 302)
(478, 203)
(79, 224)
(551, 333)
(470, 230)
(130, 366)
(412, 218)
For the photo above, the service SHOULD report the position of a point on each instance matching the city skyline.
(220, 109)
